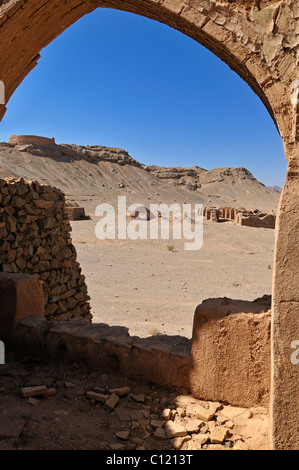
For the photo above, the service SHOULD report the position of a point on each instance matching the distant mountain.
(94, 174)
(277, 189)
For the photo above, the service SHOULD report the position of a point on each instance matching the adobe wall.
(74, 212)
(227, 213)
(231, 351)
(285, 318)
(30, 139)
(21, 296)
(241, 216)
(35, 239)
(211, 213)
(227, 360)
(254, 220)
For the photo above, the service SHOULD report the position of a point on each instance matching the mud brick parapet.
(30, 139)
(35, 239)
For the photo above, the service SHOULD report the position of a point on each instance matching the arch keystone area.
(259, 40)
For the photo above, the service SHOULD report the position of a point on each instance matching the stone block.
(230, 354)
(36, 212)
(174, 430)
(21, 296)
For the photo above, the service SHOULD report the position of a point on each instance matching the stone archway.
(259, 40)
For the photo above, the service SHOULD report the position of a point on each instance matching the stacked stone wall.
(35, 239)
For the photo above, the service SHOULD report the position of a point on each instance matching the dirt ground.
(142, 285)
(70, 420)
(149, 289)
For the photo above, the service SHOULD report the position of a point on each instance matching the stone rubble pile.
(67, 406)
(187, 424)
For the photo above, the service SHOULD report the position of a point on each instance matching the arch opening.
(97, 281)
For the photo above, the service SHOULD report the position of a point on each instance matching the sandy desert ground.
(142, 285)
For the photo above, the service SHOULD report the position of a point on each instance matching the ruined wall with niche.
(35, 239)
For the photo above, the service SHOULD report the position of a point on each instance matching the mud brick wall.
(75, 213)
(35, 239)
(241, 217)
(254, 220)
(231, 351)
(30, 139)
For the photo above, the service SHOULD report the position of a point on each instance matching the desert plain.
(154, 286)
(150, 286)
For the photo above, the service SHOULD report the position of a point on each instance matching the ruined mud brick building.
(252, 218)
(259, 40)
(74, 211)
(211, 213)
(255, 219)
(31, 139)
(228, 213)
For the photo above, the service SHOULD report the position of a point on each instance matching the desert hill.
(141, 284)
(94, 174)
(278, 189)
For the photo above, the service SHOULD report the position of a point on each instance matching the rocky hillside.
(93, 174)
(189, 177)
(196, 178)
(278, 189)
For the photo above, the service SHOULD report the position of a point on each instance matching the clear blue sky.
(121, 80)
